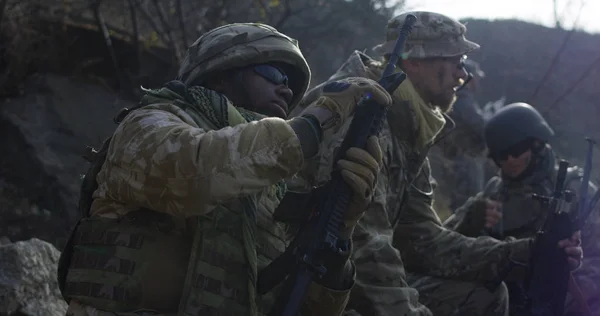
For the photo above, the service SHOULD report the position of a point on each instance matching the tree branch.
(181, 23)
(168, 30)
(135, 37)
(106, 34)
(2, 11)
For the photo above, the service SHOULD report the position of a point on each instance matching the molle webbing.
(120, 265)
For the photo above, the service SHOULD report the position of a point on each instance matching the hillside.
(516, 55)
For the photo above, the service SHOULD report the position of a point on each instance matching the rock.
(28, 284)
(43, 135)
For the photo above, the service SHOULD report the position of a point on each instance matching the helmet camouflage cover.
(240, 45)
(433, 35)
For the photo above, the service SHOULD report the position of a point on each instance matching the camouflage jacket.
(418, 242)
(167, 158)
(522, 216)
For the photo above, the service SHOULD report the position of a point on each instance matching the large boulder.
(28, 284)
(43, 135)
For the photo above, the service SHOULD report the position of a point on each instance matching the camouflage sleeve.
(464, 220)
(429, 248)
(380, 286)
(454, 220)
(160, 159)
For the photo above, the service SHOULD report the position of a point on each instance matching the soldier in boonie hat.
(421, 268)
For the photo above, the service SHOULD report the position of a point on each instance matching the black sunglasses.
(515, 150)
(272, 74)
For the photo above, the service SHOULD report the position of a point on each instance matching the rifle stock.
(301, 262)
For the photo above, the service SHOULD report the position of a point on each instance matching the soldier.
(517, 137)
(181, 219)
(460, 155)
(401, 229)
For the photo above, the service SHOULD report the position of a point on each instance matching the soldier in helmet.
(400, 245)
(518, 137)
(181, 218)
(461, 153)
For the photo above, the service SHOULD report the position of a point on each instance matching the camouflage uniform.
(460, 155)
(523, 217)
(401, 229)
(186, 171)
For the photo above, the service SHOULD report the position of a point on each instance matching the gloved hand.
(359, 169)
(473, 220)
(340, 98)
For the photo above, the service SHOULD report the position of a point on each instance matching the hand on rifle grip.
(342, 96)
(572, 247)
(359, 169)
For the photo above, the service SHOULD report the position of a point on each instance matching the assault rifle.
(549, 270)
(302, 262)
(549, 275)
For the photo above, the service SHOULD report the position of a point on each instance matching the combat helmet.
(433, 35)
(240, 45)
(514, 123)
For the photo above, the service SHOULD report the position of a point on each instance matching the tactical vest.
(519, 198)
(152, 262)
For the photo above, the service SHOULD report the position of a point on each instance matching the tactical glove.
(341, 97)
(359, 169)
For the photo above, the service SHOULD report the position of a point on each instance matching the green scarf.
(205, 106)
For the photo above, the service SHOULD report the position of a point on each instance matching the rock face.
(28, 283)
(43, 135)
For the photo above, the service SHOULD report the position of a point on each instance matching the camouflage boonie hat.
(433, 35)
(240, 45)
(474, 68)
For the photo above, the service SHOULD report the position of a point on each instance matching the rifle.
(301, 262)
(548, 283)
(549, 271)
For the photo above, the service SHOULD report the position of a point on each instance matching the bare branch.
(287, 13)
(181, 23)
(95, 6)
(2, 10)
(136, 36)
(167, 29)
(148, 18)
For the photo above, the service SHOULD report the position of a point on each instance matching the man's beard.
(443, 102)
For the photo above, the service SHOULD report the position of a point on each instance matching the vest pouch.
(123, 265)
